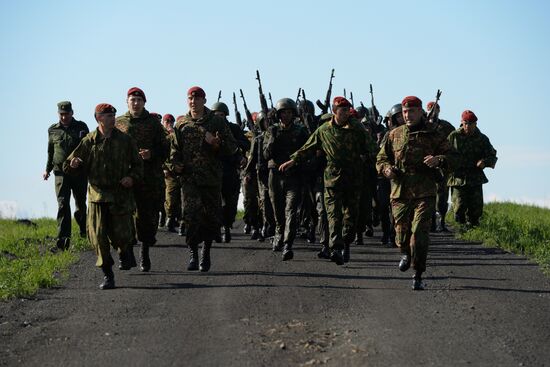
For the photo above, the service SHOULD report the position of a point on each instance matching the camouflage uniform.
(467, 180)
(284, 187)
(148, 134)
(346, 149)
(252, 213)
(201, 177)
(172, 204)
(111, 206)
(61, 142)
(413, 190)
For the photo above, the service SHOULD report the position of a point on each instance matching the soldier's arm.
(81, 152)
(176, 161)
(228, 145)
(252, 157)
(242, 140)
(161, 150)
(49, 163)
(448, 156)
(489, 154)
(312, 144)
(136, 163)
(269, 143)
(385, 158)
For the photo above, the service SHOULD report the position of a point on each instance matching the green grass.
(521, 229)
(28, 259)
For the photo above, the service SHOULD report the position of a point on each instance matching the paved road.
(482, 307)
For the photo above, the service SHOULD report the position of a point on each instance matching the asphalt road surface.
(481, 307)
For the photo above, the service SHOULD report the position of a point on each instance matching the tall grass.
(521, 229)
(28, 257)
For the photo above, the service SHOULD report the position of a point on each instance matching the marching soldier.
(63, 137)
(153, 149)
(111, 161)
(409, 157)
(476, 153)
(172, 204)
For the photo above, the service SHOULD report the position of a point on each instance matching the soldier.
(172, 204)
(409, 158)
(442, 197)
(346, 145)
(111, 161)
(201, 139)
(281, 140)
(63, 137)
(153, 148)
(231, 175)
(252, 214)
(476, 153)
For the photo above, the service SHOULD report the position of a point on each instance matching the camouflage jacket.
(231, 163)
(444, 127)
(280, 143)
(471, 149)
(404, 149)
(348, 151)
(106, 162)
(201, 162)
(62, 141)
(256, 162)
(148, 134)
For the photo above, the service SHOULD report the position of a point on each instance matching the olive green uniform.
(467, 180)
(442, 196)
(413, 190)
(111, 206)
(61, 142)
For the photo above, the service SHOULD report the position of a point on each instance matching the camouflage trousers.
(172, 203)
(468, 204)
(264, 200)
(231, 189)
(148, 202)
(252, 213)
(364, 211)
(109, 226)
(201, 212)
(341, 206)
(322, 215)
(384, 207)
(442, 198)
(413, 219)
(64, 185)
(285, 193)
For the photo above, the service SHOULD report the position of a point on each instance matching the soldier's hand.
(75, 162)
(431, 161)
(213, 140)
(480, 164)
(127, 182)
(389, 173)
(46, 175)
(145, 154)
(288, 164)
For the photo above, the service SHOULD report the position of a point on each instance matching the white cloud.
(8, 209)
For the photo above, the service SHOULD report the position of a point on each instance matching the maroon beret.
(196, 91)
(353, 113)
(135, 91)
(411, 101)
(340, 102)
(104, 108)
(469, 116)
(169, 116)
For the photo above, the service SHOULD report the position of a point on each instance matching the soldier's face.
(412, 115)
(219, 113)
(66, 117)
(469, 127)
(286, 116)
(342, 114)
(196, 104)
(136, 104)
(106, 121)
(168, 125)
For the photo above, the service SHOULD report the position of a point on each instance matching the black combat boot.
(311, 238)
(336, 257)
(144, 261)
(370, 231)
(385, 239)
(277, 243)
(359, 239)
(346, 253)
(205, 256)
(324, 253)
(172, 224)
(63, 243)
(193, 258)
(254, 234)
(108, 278)
(127, 260)
(182, 230)
(162, 219)
(442, 226)
(226, 236)
(405, 262)
(261, 237)
(247, 228)
(417, 281)
(288, 254)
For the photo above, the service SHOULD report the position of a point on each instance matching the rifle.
(238, 118)
(432, 111)
(298, 95)
(325, 107)
(249, 120)
(374, 110)
(263, 102)
(306, 116)
(345, 95)
(270, 99)
(219, 95)
(351, 97)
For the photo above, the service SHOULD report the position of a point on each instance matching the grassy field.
(28, 259)
(521, 229)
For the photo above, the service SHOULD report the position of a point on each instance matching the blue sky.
(488, 56)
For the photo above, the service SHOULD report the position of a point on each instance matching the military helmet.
(306, 106)
(220, 106)
(260, 117)
(362, 110)
(397, 108)
(286, 104)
